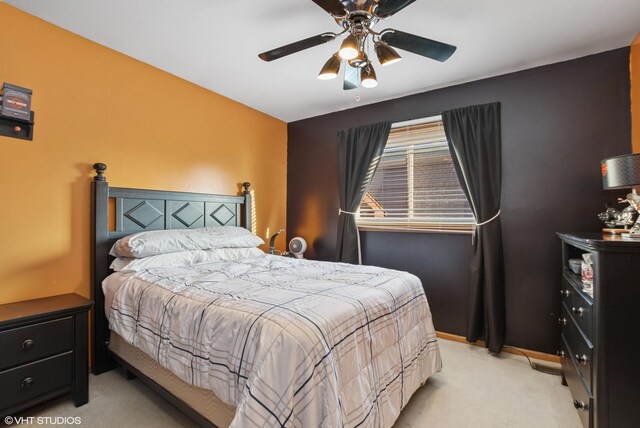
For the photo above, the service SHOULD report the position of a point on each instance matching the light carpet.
(474, 389)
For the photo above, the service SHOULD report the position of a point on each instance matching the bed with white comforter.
(288, 342)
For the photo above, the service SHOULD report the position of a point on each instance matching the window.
(415, 186)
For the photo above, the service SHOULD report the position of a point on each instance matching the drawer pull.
(562, 321)
(582, 359)
(28, 344)
(579, 405)
(561, 353)
(577, 311)
(565, 293)
(27, 382)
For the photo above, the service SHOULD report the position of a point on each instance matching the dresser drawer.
(24, 344)
(29, 381)
(567, 292)
(582, 399)
(581, 350)
(580, 308)
(582, 311)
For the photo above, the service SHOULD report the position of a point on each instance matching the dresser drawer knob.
(577, 311)
(560, 353)
(562, 321)
(564, 293)
(28, 344)
(579, 405)
(582, 359)
(27, 382)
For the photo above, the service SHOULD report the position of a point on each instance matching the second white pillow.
(155, 242)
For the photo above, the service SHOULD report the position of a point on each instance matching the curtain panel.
(474, 137)
(359, 152)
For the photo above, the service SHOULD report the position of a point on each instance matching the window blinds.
(415, 187)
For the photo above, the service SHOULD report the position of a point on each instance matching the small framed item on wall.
(16, 102)
(16, 117)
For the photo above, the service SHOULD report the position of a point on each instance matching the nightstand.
(44, 345)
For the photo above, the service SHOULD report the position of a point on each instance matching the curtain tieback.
(490, 220)
(341, 211)
(476, 225)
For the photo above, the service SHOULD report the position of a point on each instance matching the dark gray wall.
(558, 122)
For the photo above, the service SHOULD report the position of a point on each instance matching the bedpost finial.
(100, 169)
(246, 185)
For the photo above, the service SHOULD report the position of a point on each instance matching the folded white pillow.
(183, 258)
(145, 244)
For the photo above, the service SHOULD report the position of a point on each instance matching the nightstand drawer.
(23, 344)
(29, 381)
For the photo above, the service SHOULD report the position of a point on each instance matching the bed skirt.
(201, 400)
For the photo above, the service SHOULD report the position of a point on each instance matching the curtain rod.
(420, 120)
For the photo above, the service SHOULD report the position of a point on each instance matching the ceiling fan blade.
(351, 78)
(386, 8)
(418, 45)
(296, 46)
(334, 7)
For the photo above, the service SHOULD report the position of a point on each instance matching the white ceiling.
(215, 43)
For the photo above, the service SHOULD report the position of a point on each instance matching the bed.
(259, 340)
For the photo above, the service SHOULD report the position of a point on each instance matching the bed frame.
(137, 210)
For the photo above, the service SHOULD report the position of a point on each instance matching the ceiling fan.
(357, 18)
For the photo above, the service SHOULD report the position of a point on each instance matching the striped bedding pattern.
(288, 342)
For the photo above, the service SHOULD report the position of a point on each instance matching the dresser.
(599, 341)
(44, 344)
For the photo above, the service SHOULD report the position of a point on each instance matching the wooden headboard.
(138, 210)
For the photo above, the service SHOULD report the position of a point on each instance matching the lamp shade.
(621, 171)
(368, 77)
(349, 48)
(386, 54)
(331, 68)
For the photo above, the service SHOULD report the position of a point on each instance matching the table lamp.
(624, 172)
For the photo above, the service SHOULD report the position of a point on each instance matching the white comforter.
(289, 342)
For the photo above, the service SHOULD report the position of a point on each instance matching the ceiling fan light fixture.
(368, 77)
(386, 54)
(331, 68)
(349, 48)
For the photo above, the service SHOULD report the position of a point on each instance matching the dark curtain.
(474, 140)
(359, 152)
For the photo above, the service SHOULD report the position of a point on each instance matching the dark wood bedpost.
(101, 359)
(248, 209)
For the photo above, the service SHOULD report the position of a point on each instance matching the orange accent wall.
(152, 129)
(635, 94)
